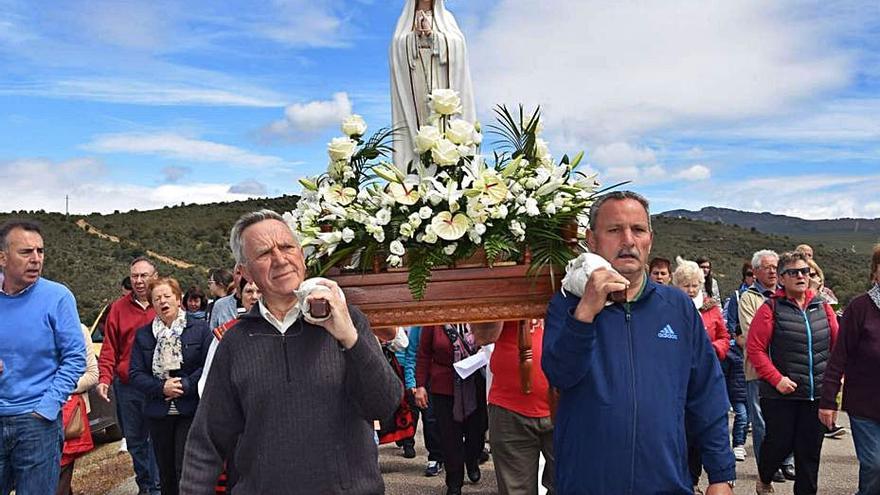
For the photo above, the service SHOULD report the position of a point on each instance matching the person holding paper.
(458, 404)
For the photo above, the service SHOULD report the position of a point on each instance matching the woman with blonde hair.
(689, 277)
(166, 362)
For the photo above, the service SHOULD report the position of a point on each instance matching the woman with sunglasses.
(789, 342)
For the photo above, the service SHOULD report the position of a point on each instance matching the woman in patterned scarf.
(857, 358)
(166, 363)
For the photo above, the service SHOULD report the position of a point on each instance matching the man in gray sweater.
(290, 403)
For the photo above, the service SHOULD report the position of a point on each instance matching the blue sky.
(750, 105)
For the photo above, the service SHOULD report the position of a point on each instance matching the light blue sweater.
(42, 349)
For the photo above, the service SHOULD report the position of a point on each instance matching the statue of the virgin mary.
(428, 52)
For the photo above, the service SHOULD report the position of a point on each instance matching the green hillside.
(93, 266)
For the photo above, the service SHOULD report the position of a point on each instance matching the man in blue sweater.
(632, 373)
(42, 355)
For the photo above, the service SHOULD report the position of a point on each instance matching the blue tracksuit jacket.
(629, 381)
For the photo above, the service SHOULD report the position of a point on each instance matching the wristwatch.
(731, 483)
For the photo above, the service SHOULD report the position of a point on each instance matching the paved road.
(838, 472)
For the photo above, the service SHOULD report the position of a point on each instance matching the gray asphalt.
(838, 472)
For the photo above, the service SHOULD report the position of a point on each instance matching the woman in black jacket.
(166, 363)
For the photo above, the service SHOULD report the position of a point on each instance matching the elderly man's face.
(766, 272)
(273, 259)
(622, 235)
(141, 273)
(22, 261)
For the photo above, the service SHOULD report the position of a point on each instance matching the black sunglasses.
(793, 272)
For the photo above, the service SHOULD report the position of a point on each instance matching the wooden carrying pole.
(525, 356)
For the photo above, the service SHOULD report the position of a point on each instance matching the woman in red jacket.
(689, 277)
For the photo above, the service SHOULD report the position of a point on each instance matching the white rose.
(480, 228)
(500, 212)
(383, 216)
(465, 150)
(445, 153)
(379, 235)
(347, 235)
(450, 248)
(407, 230)
(427, 137)
(354, 125)
(425, 212)
(396, 247)
(430, 237)
(445, 101)
(460, 131)
(394, 261)
(341, 148)
(532, 207)
(474, 237)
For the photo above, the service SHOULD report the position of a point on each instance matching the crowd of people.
(242, 389)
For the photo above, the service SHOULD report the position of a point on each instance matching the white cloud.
(694, 173)
(249, 187)
(621, 154)
(174, 174)
(608, 70)
(135, 91)
(40, 184)
(310, 117)
(179, 147)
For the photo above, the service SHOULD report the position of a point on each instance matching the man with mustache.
(633, 372)
(290, 400)
(42, 355)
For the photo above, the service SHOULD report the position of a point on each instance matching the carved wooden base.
(453, 296)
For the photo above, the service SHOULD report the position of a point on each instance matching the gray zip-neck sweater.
(294, 412)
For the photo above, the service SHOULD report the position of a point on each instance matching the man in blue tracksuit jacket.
(631, 374)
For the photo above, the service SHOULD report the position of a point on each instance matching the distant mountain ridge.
(771, 223)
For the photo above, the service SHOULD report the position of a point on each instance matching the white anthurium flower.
(383, 216)
(460, 131)
(407, 230)
(406, 193)
(531, 205)
(425, 212)
(445, 153)
(448, 226)
(450, 249)
(347, 235)
(396, 247)
(340, 195)
(394, 261)
(427, 138)
(354, 125)
(445, 101)
(341, 148)
(492, 188)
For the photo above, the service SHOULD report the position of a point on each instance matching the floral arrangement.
(364, 212)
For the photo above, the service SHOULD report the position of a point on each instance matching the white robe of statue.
(420, 64)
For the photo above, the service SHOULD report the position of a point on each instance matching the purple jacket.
(857, 358)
